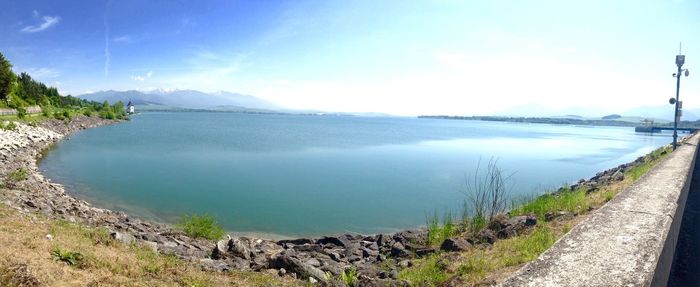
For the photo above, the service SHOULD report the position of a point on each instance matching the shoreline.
(304, 257)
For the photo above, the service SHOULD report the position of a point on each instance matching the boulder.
(239, 249)
(123, 237)
(343, 240)
(294, 265)
(455, 244)
(618, 175)
(398, 250)
(485, 236)
(299, 241)
(208, 264)
(423, 251)
(517, 225)
(220, 249)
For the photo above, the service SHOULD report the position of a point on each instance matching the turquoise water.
(294, 175)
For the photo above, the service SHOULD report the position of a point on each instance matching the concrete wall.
(30, 110)
(628, 242)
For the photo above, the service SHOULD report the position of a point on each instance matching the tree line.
(18, 91)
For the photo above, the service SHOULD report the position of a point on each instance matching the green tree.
(7, 77)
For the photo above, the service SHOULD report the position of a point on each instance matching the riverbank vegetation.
(201, 226)
(21, 91)
(44, 252)
(489, 254)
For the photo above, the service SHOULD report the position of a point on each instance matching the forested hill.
(21, 91)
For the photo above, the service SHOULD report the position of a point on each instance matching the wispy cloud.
(107, 54)
(43, 73)
(45, 23)
(122, 39)
(143, 78)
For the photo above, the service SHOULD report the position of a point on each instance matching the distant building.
(130, 108)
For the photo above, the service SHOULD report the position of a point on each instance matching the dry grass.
(26, 257)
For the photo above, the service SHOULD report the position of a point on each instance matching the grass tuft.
(19, 174)
(437, 233)
(349, 276)
(201, 226)
(71, 258)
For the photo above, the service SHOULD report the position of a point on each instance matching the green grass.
(349, 276)
(19, 174)
(437, 233)
(10, 126)
(523, 249)
(649, 161)
(429, 272)
(152, 262)
(71, 258)
(566, 200)
(201, 226)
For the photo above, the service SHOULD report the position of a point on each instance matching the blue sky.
(400, 57)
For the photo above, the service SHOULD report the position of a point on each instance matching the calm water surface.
(291, 175)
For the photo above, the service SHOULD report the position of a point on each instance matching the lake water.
(295, 175)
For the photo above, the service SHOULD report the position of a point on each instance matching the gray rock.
(517, 225)
(405, 263)
(208, 264)
(343, 240)
(398, 250)
(313, 262)
(618, 175)
(123, 237)
(455, 244)
(298, 267)
(239, 248)
(220, 249)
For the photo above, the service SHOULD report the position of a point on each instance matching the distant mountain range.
(187, 99)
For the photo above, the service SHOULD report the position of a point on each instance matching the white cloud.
(43, 73)
(140, 78)
(122, 39)
(48, 22)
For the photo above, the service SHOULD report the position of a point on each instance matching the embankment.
(628, 242)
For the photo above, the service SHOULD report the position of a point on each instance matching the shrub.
(87, 113)
(105, 114)
(69, 257)
(11, 126)
(58, 115)
(67, 115)
(203, 226)
(19, 174)
(21, 112)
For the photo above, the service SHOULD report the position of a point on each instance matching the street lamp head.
(686, 72)
(680, 60)
(672, 101)
(674, 75)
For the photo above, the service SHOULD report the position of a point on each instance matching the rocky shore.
(376, 258)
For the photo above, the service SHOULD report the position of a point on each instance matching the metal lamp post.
(680, 60)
